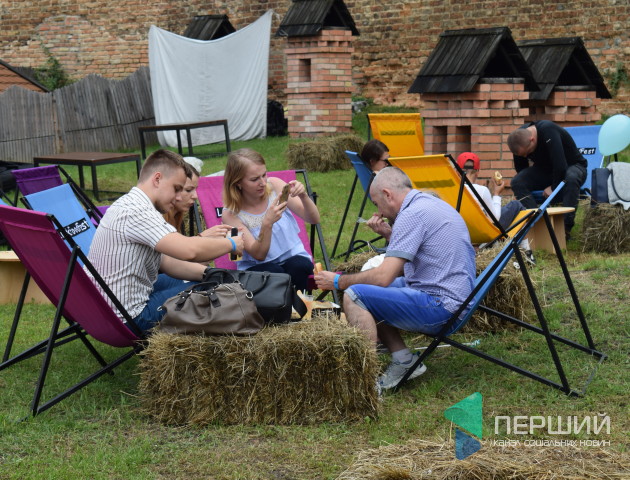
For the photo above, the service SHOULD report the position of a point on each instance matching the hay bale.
(355, 262)
(420, 459)
(314, 371)
(508, 295)
(606, 229)
(323, 154)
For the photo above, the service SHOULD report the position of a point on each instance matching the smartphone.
(284, 196)
(234, 233)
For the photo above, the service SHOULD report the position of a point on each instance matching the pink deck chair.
(210, 191)
(38, 241)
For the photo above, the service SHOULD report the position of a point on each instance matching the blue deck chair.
(586, 140)
(486, 280)
(364, 176)
(63, 204)
(37, 179)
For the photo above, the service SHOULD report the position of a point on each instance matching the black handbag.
(212, 309)
(274, 294)
(599, 185)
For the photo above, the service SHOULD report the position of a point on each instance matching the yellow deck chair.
(401, 132)
(441, 175)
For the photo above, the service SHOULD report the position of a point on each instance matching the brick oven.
(473, 86)
(571, 86)
(478, 85)
(319, 67)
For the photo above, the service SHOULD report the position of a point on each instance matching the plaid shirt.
(433, 238)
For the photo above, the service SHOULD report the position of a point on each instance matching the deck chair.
(487, 279)
(38, 240)
(441, 175)
(586, 140)
(33, 180)
(62, 202)
(364, 176)
(401, 132)
(210, 191)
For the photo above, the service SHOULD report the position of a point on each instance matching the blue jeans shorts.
(401, 307)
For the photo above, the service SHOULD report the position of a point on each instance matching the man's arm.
(556, 156)
(382, 276)
(197, 249)
(181, 269)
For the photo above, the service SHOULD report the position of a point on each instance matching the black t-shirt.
(555, 151)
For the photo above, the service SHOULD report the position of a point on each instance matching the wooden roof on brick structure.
(11, 76)
(307, 17)
(209, 27)
(564, 63)
(462, 58)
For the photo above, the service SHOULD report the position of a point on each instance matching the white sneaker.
(396, 370)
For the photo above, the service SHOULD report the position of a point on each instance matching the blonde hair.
(235, 170)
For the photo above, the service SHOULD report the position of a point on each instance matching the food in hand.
(317, 268)
(284, 196)
(497, 177)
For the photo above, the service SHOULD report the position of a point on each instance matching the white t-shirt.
(492, 202)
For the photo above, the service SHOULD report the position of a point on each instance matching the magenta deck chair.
(210, 192)
(210, 199)
(38, 242)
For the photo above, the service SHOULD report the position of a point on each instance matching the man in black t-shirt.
(545, 155)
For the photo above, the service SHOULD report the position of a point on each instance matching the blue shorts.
(401, 307)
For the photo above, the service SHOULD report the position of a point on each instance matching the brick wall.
(110, 38)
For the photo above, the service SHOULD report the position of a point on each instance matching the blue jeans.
(401, 307)
(164, 288)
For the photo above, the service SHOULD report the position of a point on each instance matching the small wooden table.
(89, 159)
(178, 127)
(12, 277)
(539, 235)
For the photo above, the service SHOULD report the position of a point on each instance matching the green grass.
(100, 433)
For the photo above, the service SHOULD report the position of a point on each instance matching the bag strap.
(612, 184)
(211, 272)
(298, 305)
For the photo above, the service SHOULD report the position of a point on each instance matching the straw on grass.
(314, 371)
(419, 459)
(606, 229)
(323, 154)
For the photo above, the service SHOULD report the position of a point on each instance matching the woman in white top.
(270, 233)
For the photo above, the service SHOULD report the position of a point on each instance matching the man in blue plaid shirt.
(427, 273)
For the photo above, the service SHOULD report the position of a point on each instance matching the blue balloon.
(614, 135)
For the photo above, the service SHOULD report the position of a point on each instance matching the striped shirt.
(123, 250)
(434, 240)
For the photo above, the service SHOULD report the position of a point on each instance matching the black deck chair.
(482, 285)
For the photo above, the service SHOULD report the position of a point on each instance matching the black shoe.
(529, 257)
(567, 236)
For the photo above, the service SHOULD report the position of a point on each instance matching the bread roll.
(497, 177)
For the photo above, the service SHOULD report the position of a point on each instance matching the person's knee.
(518, 183)
(574, 177)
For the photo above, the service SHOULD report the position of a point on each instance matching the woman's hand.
(274, 213)
(297, 189)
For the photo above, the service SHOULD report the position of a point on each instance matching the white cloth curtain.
(197, 80)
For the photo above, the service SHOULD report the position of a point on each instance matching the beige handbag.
(212, 309)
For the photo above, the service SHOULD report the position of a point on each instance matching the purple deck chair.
(39, 243)
(34, 180)
(210, 191)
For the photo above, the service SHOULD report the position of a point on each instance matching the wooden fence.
(93, 114)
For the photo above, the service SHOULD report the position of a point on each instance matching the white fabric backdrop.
(197, 80)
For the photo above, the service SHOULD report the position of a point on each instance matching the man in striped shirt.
(141, 257)
(427, 273)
